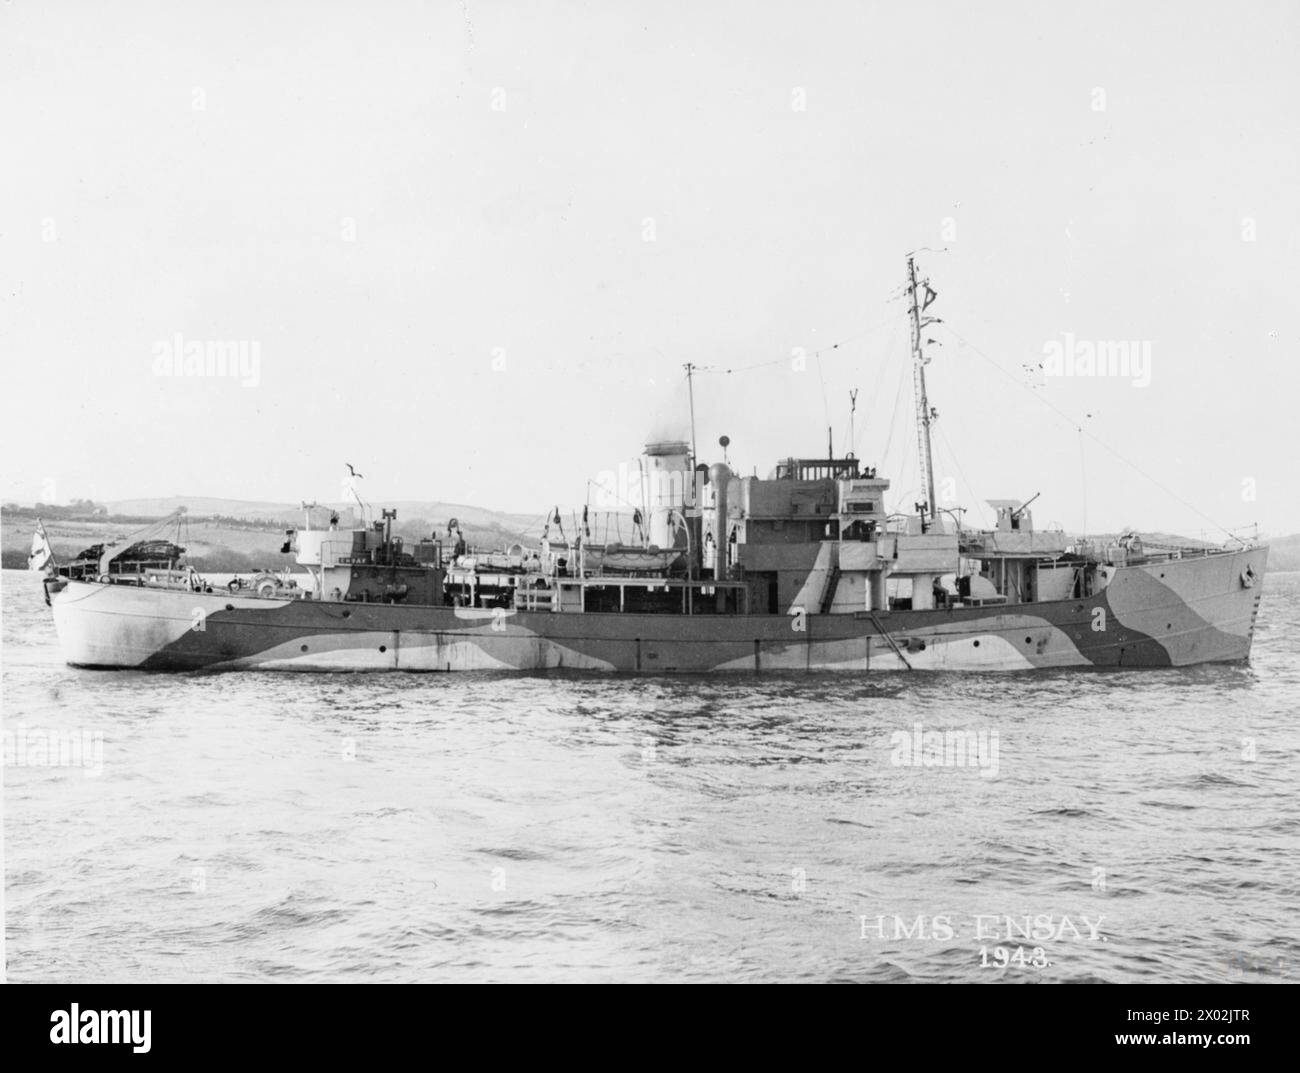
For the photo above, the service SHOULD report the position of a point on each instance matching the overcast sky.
(473, 244)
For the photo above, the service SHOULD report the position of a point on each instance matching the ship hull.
(1168, 614)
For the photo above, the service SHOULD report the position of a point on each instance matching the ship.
(803, 570)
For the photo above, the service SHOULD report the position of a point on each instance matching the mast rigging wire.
(1084, 432)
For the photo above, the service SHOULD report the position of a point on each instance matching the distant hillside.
(210, 546)
(1284, 553)
(203, 506)
(232, 536)
(437, 513)
(1154, 540)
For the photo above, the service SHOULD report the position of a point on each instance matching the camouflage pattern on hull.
(1166, 614)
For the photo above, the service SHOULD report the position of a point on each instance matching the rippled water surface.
(483, 827)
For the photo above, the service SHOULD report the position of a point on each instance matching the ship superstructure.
(803, 569)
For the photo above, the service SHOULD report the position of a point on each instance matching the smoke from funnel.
(670, 415)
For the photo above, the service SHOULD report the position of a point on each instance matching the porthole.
(977, 644)
(304, 648)
(383, 648)
(1029, 640)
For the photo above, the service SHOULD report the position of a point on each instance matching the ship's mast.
(924, 415)
(853, 412)
(690, 390)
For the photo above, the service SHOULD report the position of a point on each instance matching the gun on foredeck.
(1015, 514)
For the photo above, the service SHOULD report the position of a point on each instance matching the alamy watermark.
(233, 358)
(1123, 358)
(631, 486)
(36, 747)
(946, 748)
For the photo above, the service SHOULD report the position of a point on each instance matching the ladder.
(892, 643)
(828, 593)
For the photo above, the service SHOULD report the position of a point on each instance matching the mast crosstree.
(925, 414)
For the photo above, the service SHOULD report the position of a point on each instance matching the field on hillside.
(210, 545)
(253, 542)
